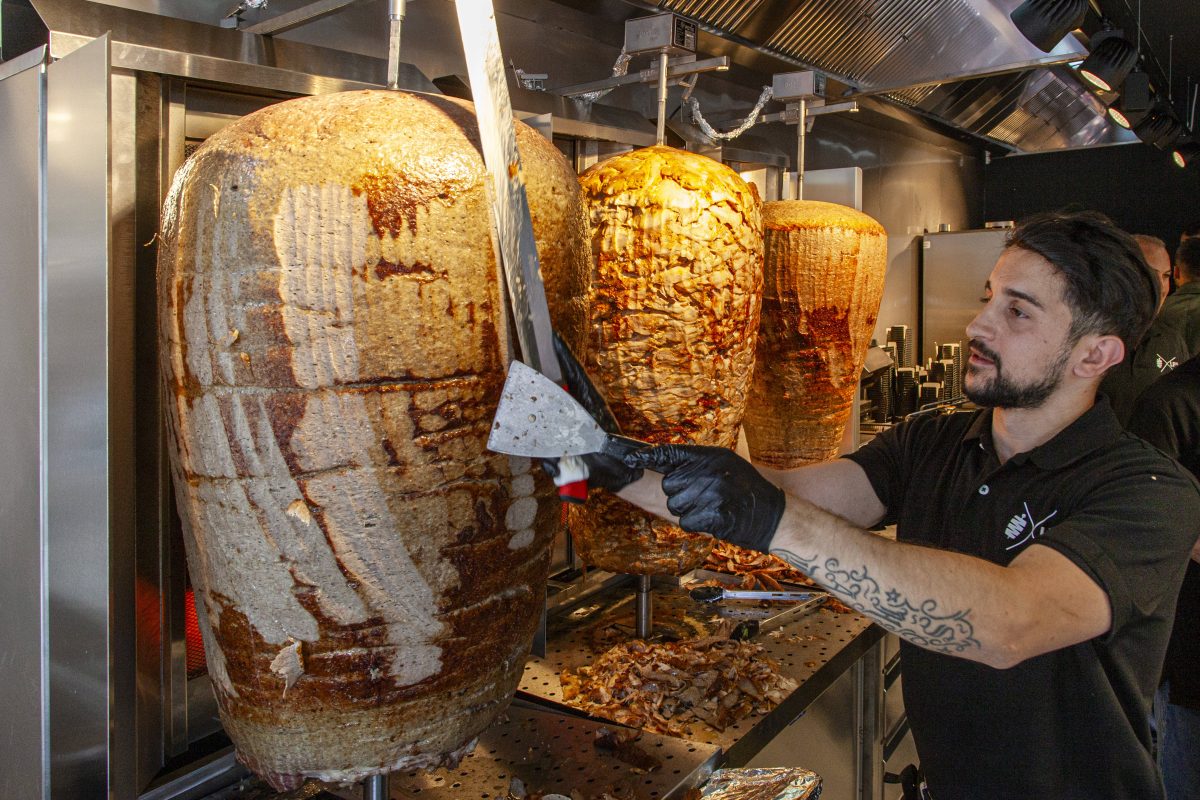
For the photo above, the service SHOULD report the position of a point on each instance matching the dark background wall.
(1135, 184)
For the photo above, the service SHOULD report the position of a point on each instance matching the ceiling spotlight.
(1111, 59)
(1186, 155)
(1121, 118)
(1046, 22)
(1134, 102)
(1159, 128)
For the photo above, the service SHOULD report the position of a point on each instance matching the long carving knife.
(510, 206)
(517, 248)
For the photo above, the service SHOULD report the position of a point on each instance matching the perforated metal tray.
(549, 751)
(813, 650)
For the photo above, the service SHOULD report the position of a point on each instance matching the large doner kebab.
(677, 246)
(368, 576)
(824, 266)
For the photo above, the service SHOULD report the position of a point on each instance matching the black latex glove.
(604, 471)
(714, 490)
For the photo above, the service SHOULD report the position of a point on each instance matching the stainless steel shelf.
(553, 752)
(813, 650)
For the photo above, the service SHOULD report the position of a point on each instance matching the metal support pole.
(396, 11)
(644, 608)
(661, 133)
(801, 135)
(375, 787)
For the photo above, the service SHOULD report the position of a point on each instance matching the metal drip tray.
(813, 650)
(552, 752)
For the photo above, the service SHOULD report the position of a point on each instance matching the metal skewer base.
(644, 608)
(375, 787)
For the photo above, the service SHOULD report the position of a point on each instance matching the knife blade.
(748, 629)
(510, 205)
(536, 418)
(516, 248)
(711, 594)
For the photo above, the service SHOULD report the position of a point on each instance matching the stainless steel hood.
(1045, 109)
(172, 45)
(961, 62)
(876, 46)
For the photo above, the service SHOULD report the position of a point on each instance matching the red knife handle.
(572, 479)
(573, 475)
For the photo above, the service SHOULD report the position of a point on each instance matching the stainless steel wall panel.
(22, 657)
(123, 419)
(77, 422)
(161, 531)
(954, 268)
(152, 497)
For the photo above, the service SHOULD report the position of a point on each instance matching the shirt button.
(984, 489)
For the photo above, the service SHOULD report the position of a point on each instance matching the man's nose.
(979, 327)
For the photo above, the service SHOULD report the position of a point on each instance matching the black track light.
(1135, 93)
(1134, 102)
(1126, 119)
(1159, 128)
(1046, 22)
(1110, 61)
(1186, 155)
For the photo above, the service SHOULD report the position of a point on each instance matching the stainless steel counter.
(549, 746)
(814, 650)
(548, 751)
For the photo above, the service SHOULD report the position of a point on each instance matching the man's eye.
(1016, 312)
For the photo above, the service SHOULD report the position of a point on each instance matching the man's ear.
(1099, 352)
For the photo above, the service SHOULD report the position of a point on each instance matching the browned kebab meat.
(676, 293)
(671, 687)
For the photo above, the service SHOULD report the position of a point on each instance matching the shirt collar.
(1093, 429)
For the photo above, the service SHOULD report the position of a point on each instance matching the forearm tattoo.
(923, 624)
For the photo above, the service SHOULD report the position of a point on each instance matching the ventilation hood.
(172, 45)
(961, 62)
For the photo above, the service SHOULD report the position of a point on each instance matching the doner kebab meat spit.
(333, 337)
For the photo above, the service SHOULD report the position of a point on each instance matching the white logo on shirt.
(1165, 364)
(1022, 528)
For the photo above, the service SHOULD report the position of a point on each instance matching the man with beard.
(1039, 547)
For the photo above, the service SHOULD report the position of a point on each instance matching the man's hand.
(603, 471)
(713, 490)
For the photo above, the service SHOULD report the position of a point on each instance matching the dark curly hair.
(1110, 290)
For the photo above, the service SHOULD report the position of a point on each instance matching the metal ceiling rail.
(299, 16)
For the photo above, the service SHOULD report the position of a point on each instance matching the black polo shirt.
(1181, 310)
(1072, 723)
(1161, 350)
(1168, 416)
